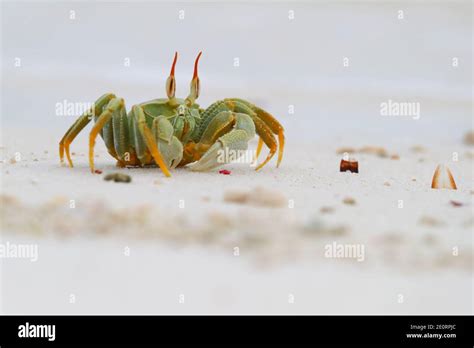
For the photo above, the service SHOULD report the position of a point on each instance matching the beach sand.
(136, 247)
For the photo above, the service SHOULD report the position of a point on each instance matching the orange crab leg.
(259, 148)
(276, 128)
(101, 121)
(281, 143)
(266, 135)
(139, 118)
(264, 122)
(80, 123)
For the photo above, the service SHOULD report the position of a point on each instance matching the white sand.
(190, 250)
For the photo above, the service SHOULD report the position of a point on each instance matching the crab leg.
(228, 131)
(209, 114)
(267, 118)
(266, 125)
(170, 146)
(115, 105)
(267, 136)
(119, 146)
(259, 148)
(140, 123)
(274, 125)
(79, 124)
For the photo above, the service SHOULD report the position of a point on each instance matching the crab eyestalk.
(171, 81)
(194, 86)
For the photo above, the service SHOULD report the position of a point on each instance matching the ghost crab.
(171, 132)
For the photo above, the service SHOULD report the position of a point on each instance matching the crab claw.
(170, 147)
(229, 146)
(172, 152)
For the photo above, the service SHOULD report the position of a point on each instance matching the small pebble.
(118, 177)
(326, 210)
(456, 203)
(386, 183)
(430, 221)
(418, 149)
(469, 138)
(349, 201)
(98, 171)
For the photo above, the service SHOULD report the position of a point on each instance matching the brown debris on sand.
(418, 149)
(349, 201)
(430, 221)
(343, 150)
(469, 138)
(259, 197)
(374, 150)
(378, 151)
(327, 210)
(351, 165)
(456, 203)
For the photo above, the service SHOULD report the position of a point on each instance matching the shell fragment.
(443, 178)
